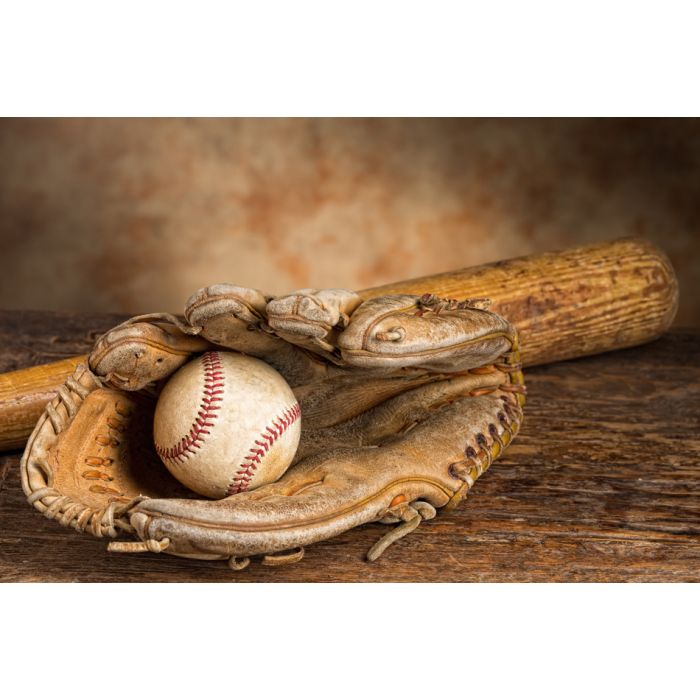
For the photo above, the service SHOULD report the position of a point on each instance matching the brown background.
(132, 215)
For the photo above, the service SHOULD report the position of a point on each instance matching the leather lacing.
(436, 304)
(476, 462)
(412, 515)
(281, 559)
(69, 512)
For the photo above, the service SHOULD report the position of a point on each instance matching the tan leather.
(143, 350)
(400, 332)
(313, 318)
(405, 402)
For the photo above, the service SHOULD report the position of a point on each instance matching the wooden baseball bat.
(564, 304)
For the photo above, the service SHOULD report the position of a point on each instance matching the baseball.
(226, 423)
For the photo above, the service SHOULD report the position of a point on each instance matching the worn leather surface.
(405, 402)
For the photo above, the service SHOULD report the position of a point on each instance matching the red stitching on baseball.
(246, 471)
(209, 407)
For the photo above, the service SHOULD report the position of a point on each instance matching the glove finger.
(410, 331)
(143, 350)
(453, 341)
(396, 415)
(236, 318)
(332, 492)
(312, 318)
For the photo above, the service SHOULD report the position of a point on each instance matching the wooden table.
(602, 484)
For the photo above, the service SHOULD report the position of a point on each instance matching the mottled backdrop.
(134, 214)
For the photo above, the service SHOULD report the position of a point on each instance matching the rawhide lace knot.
(436, 304)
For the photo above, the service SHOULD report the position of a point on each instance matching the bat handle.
(24, 394)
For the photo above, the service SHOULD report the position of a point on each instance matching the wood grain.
(24, 396)
(602, 484)
(46, 357)
(569, 303)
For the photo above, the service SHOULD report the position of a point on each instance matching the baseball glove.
(405, 402)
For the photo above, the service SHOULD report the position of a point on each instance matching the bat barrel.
(568, 304)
